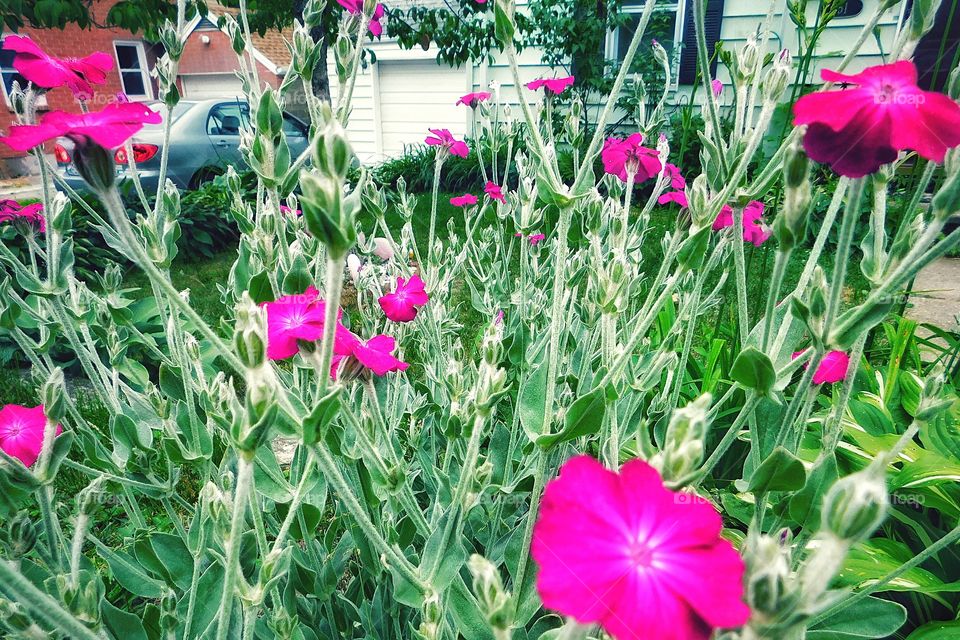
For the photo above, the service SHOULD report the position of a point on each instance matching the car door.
(224, 124)
(296, 134)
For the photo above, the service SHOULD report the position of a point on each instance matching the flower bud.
(488, 589)
(747, 58)
(52, 393)
(778, 78)
(768, 574)
(683, 443)
(856, 505)
(20, 536)
(94, 164)
(249, 337)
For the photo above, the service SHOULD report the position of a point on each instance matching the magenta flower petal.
(859, 129)
(556, 86)
(443, 138)
(109, 127)
(21, 432)
(402, 304)
(623, 551)
(833, 368)
(293, 318)
(474, 99)
(494, 191)
(48, 72)
(465, 200)
(375, 355)
(620, 157)
(676, 197)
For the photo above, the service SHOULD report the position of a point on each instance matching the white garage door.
(212, 85)
(416, 96)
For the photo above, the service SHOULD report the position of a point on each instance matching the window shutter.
(688, 56)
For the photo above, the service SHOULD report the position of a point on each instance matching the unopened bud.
(856, 505)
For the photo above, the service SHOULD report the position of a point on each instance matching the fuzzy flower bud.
(778, 78)
(768, 573)
(250, 335)
(857, 504)
(488, 589)
(683, 444)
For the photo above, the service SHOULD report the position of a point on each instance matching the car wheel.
(207, 174)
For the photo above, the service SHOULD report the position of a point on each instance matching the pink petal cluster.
(402, 304)
(48, 72)
(833, 367)
(621, 157)
(493, 190)
(291, 319)
(556, 86)
(287, 210)
(675, 197)
(466, 200)
(109, 127)
(677, 181)
(11, 211)
(356, 8)
(375, 354)
(622, 550)
(474, 99)
(857, 130)
(536, 239)
(717, 88)
(754, 229)
(21, 432)
(443, 138)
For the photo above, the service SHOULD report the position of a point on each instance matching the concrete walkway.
(936, 294)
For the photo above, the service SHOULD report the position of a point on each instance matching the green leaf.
(780, 471)
(868, 618)
(584, 417)
(171, 382)
(805, 505)
(532, 397)
(869, 562)
(122, 624)
(127, 571)
(209, 592)
(753, 370)
(260, 288)
(504, 28)
(470, 621)
(298, 278)
(937, 631)
(445, 549)
(175, 557)
(315, 425)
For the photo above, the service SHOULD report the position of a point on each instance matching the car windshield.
(179, 110)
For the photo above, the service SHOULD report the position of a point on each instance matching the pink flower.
(717, 87)
(465, 200)
(493, 190)
(443, 138)
(473, 100)
(677, 181)
(621, 157)
(833, 367)
(556, 86)
(48, 72)
(676, 197)
(498, 318)
(285, 209)
(754, 230)
(857, 130)
(536, 238)
(401, 305)
(356, 8)
(622, 550)
(21, 432)
(12, 212)
(109, 128)
(301, 317)
(374, 354)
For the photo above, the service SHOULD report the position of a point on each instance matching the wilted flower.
(356, 8)
(556, 86)
(109, 128)
(493, 190)
(754, 230)
(401, 305)
(474, 99)
(624, 157)
(443, 138)
(21, 432)
(622, 550)
(43, 70)
(858, 130)
(465, 200)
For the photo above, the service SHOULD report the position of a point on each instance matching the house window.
(9, 75)
(132, 64)
(666, 27)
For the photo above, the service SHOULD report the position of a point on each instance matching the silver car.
(204, 140)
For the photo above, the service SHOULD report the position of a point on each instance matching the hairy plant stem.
(743, 323)
(848, 224)
(779, 269)
(434, 196)
(42, 606)
(242, 488)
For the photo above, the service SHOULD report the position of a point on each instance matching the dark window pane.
(225, 120)
(292, 128)
(127, 56)
(133, 83)
(6, 58)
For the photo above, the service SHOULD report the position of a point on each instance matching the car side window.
(293, 128)
(227, 119)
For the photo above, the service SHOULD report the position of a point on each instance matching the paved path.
(936, 294)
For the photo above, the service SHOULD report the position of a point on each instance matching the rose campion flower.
(622, 550)
(859, 129)
(109, 127)
(287, 210)
(754, 230)
(833, 367)
(443, 138)
(300, 317)
(536, 239)
(717, 88)
(675, 197)
(374, 354)
(12, 212)
(21, 432)
(493, 190)
(356, 8)
(621, 157)
(45, 71)
(465, 200)
(677, 181)
(474, 99)
(554, 86)
(401, 305)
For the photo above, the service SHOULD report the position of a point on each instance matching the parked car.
(204, 140)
